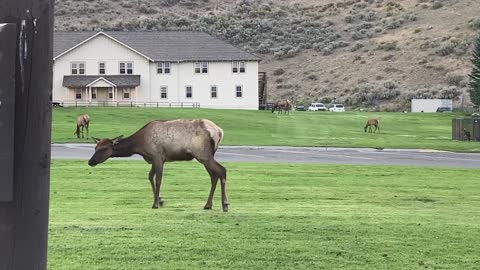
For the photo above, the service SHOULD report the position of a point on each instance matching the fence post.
(24, 220)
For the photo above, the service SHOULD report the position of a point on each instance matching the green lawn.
(399, 130)
(281, 217)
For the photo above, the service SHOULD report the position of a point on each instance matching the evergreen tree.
(475, 75)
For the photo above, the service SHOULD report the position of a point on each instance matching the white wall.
(430, 105)
(219, 74)
(92, 52)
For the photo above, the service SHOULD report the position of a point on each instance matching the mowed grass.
(281, 217)
(398, 130)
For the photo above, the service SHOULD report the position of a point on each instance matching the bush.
(454, 78)
(474, 23)
(278, 72)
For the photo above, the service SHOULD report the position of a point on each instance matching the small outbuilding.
(431, 105)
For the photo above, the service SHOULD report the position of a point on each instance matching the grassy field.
(398, 130)
(281, 217)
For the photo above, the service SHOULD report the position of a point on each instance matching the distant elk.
(165, 141)
(466, 134)
(370, 123)
(282, 105)
(83, 121)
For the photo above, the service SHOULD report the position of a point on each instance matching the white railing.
(124, 103)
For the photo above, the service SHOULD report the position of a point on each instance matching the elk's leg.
(214, 180)
(222, 174)
(157, 201)
(151, 176)
(87, 131)
(378, 128)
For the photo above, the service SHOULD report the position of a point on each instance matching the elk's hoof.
(207, 207)
(225, 207)
(154, 206)
(161, 203)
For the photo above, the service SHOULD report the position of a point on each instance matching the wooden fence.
(461, 127)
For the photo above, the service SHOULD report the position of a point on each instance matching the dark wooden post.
(24, 218)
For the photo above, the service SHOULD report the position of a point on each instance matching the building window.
(78, 68)
(201, 67)
(163, 68)
(101, 68)
(163, 92)
(213, 92)
(126, 93)
(126, 67)
(110, 93)
(188, 92)
(94, 93)
(78, 93)
(238, 67)
(238, 91)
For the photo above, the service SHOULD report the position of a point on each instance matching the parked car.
(337, 108)
(444, 109)
(317, 107)
(300, 108)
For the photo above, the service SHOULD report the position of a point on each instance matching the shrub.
(278, 72)
(454, 78)
(390, 84)
(474, 23)
(437, 5)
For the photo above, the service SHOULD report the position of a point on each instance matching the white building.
(430, 105)
(167, 68)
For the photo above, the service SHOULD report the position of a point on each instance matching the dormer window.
(78, 68)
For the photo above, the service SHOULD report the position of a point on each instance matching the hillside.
(373, 53)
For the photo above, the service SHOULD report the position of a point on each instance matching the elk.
(370, 123)
(82, 122)
(282, 105)
(163, 141)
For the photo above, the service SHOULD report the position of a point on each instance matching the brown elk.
(165, 141)
(83, 121)
(282, 105)
(370, 123)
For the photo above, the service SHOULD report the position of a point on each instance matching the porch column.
(89, 94)
(136, 93)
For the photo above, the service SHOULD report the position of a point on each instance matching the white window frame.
(211, 91)
(164, 68)
(78, 91)
(198, 67)
(94, 93)
(166, 92)
(75, 66)
(236, 91)
(126, 91)
(239, 67)
(100, 68)
(186, 91)
(125, 63)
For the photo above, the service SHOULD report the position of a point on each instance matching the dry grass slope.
(366, 53)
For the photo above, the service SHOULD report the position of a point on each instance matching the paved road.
(361, 156)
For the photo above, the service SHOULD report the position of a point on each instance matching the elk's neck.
(125, 148)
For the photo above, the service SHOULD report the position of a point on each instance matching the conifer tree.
(475, 75)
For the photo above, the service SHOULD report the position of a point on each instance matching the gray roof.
(175, 46)
(83, 80)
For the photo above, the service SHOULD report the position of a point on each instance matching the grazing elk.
(82, 122)
(165, 141)
(282, 105)
(466, 134)
(370, 123)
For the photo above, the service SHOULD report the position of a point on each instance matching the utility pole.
(26, 48)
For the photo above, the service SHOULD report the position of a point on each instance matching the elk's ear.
(96, 140)
(117, 139)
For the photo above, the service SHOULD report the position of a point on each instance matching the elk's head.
(103, 150)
